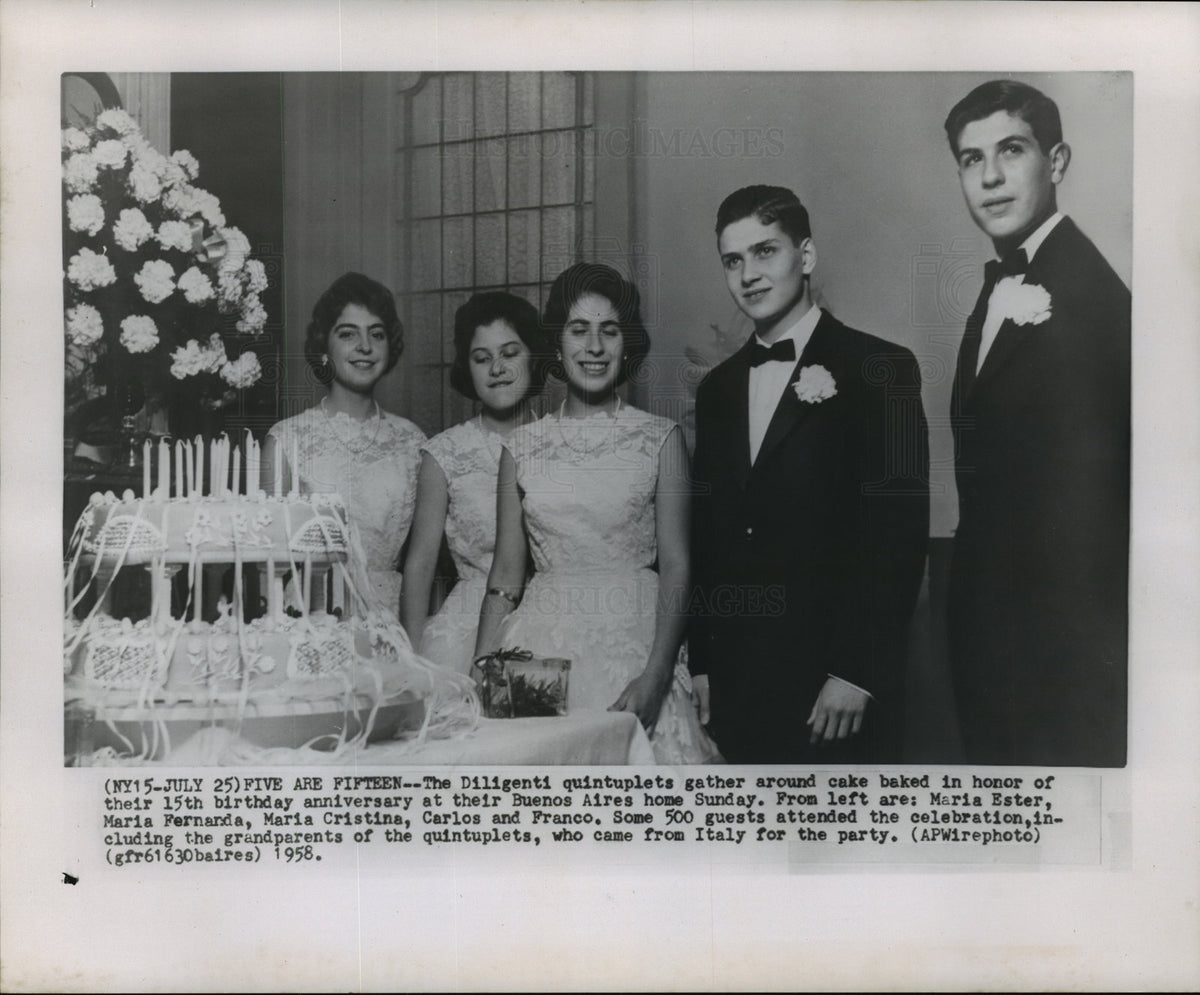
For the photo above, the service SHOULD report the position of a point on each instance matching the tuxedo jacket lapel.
(968, 352)
(789, 412)
(739, 400)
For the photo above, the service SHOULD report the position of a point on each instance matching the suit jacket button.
(749, 531)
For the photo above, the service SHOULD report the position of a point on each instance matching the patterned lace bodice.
(469, 456)
(588, 489)
(372, 464)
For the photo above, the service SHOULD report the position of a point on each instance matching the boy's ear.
(808, 250)
(1060, 159)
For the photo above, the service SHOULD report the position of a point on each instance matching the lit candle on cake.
(179, 468)
(272, 606)
(190, 466)
(223, 466)
(251, 466)
(237, 466)
(164, 469)
(198, 453)
(146, 470)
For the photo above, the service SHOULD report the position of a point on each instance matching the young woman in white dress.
(495, 334)
(347, 444)
(597, 492)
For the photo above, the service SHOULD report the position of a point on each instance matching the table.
(588, 738)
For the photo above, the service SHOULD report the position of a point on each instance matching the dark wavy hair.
(481, 310)
(596, 278)
(767, 205)
(1018, 99)
(351, 288)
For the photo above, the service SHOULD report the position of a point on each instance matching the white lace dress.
(589, 500)
(372, 464)
(469, 456)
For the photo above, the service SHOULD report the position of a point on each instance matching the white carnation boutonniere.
(1022, 303)
(816, 384)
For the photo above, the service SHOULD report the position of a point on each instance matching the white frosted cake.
(196, 638)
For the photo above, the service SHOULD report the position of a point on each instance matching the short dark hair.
(768, 205)
(596, 278)
(481, 310)
(1018, 99)
(350, 288)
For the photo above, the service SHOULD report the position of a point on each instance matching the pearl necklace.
(356, 444)
(579, 431)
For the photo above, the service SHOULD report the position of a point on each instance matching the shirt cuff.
(852, 684)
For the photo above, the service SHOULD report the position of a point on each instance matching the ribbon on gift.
(491, 669)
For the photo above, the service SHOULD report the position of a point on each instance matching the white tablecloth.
(597, 739)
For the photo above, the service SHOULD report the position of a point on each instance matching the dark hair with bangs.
(1018, 99)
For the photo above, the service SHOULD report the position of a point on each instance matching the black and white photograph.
(496, 450)
(301, 352)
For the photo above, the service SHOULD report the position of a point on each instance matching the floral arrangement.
(156, 284)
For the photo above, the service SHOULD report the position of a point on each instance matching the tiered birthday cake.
(247, 607)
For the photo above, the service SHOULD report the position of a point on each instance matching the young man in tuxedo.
(1040, 411)
(811, 511)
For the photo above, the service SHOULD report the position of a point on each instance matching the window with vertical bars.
(498, 184)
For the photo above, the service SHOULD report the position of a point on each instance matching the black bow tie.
(1014, 264)
(784, 351)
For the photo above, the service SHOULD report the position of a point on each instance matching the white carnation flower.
(139, 333)
(85, 212)
(193, 358)
(197, 288)
(144, 183)
(186, 361)
(229, 287)
(84, 325)
(117, 120)
(80, 172)
(155, 280)
(75, 140)
(816, 384)
(136, 143)
(174, 175)
(132, 229)
(256, 276)
(89, 270)
(179, 200)
(254, 316)
(175, 235)
(187, 162)
(110, 153)
(237, 248)
(153, 160)
(1023, 303)
(210, 208)
(242, 372)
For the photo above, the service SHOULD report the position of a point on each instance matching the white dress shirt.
(767, 382)
(993, 321)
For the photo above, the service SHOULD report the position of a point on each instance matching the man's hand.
(838, 713)
(700, 697)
